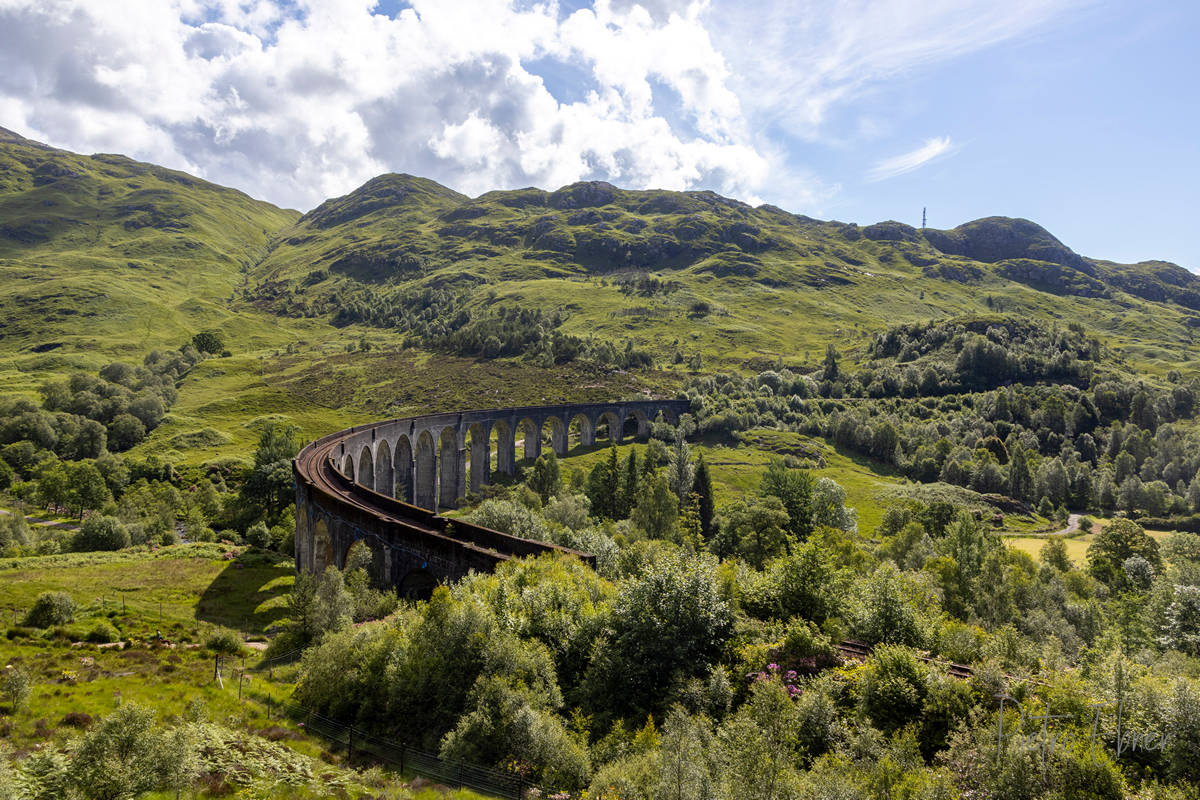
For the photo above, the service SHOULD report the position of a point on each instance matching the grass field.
(1077, 544)
(184, 592)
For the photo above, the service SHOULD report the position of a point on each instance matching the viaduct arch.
(383, 484)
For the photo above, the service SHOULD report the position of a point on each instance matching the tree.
(657, 508)
(53, 486)
(126, 755)
(210, 342)
(125, 431)
(808, 584)
(1119, 540)
(598, 489)
(754, 529)
(629, 487)
(884, 613)
(1054, 553)
(794, 488)
(545, 478)
(831, 372)
(681, 471)
(269, 484)
(258, 535)
(88, 490)
(894, 685)
(1181, 629)
(1020, 479)
(333, 607)
(668, 621)
(702, 488)
(829, 506)
(686, 769)
(15, 687)
(761, 745)
(101, 533)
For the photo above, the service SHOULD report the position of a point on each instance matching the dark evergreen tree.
(632, 475)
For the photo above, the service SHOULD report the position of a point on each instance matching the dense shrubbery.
(1114, 446)
(441, 320)
(671, 670)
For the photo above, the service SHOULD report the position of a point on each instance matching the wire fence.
(358, 744)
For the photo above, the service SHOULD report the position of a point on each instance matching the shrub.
(127, 755)
(102, 533)
(50, 609)
(259, 535)
(15, 686)
(893, 689)
(223, 640)
(103, 632)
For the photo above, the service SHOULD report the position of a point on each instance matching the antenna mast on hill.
(922, 217)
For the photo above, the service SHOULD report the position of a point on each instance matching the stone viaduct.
(383, 484)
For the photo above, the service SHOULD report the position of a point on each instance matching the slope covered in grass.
(103, 253)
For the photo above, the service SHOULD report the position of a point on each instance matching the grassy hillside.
(102, 255)
(695, 272)
(105, 258)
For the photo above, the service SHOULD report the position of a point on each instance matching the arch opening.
(426, 478)
(348, 466)
(385, 481)
(580, 432)
(502, 447)
(554, 433)
(366, 469)
(403, 470)
(418, 584)
(637, 424)
(608, 426)
(531, 435)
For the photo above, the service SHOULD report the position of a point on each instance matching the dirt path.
(45, 523)
(1072, 526)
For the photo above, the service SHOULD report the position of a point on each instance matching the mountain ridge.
(107, 244)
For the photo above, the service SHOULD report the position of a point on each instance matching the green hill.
(102, 255)
(586, 291)
(696, 272)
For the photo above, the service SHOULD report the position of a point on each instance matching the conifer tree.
(632, 474)
(613, 474)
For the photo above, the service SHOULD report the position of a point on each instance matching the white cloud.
(796, 60)
(297, 100)
(914, 159)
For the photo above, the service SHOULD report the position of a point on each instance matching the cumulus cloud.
(914, 159)
(298, 100)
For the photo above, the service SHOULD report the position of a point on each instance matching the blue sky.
(1089, 128)
(1079, 115)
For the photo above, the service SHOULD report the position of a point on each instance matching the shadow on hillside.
(248, 596)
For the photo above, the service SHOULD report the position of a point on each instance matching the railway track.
(851, 650)
(317, 463)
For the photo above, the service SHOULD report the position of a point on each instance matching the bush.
(223, 640)
(50, 609)
(15, 687)
(103, 632)
(102, 533)
(259, 535)
(893, 688)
